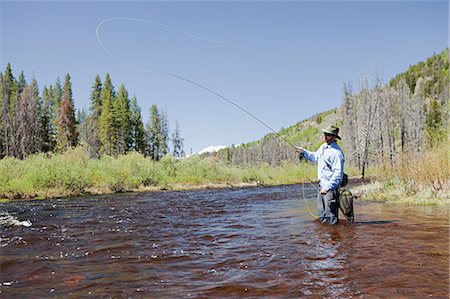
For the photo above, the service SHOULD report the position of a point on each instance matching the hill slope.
(273, 149)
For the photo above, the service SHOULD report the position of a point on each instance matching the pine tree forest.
(47, 121)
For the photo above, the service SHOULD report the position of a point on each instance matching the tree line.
(269, 150)
(34, 122)
(274, 149)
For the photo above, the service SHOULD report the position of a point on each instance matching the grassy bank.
(420, 178)
(73, 173)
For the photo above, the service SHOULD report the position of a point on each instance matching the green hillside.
(273, 149)
(308, 132)
(434, 70)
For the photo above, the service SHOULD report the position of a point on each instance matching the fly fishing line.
(190, 81)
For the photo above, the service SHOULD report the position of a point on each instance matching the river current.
(250, 242)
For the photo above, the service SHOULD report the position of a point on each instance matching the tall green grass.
(73, 173)
(422, 178)
(44, 175)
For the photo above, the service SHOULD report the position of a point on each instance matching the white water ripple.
(7, 219)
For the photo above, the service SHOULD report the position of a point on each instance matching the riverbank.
(379, 191)
(364, 190)
(74, 174)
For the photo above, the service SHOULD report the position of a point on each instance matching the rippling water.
(253, 242)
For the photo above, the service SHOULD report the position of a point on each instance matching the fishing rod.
(193, 82)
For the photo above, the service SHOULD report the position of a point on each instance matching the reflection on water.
(219, 243)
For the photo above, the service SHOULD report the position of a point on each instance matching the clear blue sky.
(282, 61)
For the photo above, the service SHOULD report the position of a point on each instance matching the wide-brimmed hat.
(333, 130)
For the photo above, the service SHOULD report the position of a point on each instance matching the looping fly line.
(188, 80)
(181, 77)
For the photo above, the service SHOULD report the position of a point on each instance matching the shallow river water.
(251, 242)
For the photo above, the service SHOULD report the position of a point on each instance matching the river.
(249, 242)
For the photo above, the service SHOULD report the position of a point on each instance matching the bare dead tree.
(350, 121)
(362, 122)
(387, 123)
(28, 124)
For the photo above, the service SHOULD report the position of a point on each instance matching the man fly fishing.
(330, 172)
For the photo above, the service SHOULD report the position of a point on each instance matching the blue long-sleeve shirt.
(330, 168)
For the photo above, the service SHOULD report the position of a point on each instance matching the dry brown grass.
(427, 170)
(417, 178)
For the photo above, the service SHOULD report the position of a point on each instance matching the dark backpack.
(346, 204)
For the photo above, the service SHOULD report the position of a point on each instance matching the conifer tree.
(81, 117)
(96, 99)
(91, 138)
(433, 124)
(7, 125)
(14, 136)
(46, 119)
(106, 121)
(154, 133)
(177, 142)
(92, 121)
(37, 114)
(8, 79)
(57, 98)
(137, 131)
(22, 120)
(67, 135)
(21, 82)
(82, 130)
(164, 133)
(57, 93)
(122, 121)
(49, 119)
